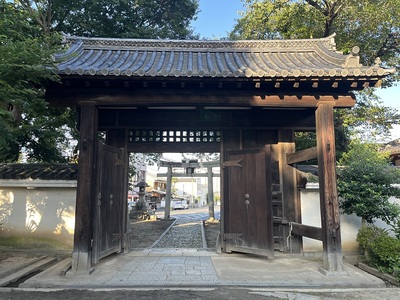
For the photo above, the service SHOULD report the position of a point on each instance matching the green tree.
(140, 159)
(25, 67)
(116, 18)
(28, 38)
(373, 25)
(365, 184)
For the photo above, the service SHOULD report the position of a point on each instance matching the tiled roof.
(39, 171)
(225, 59)
(393, 147)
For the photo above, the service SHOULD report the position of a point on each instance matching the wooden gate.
(110, 206)
(248, 218)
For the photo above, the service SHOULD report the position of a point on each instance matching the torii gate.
(191, 164)
(244, 99)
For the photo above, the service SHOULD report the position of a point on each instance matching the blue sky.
(217, 17)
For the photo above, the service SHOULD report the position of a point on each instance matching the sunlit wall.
(38, 208)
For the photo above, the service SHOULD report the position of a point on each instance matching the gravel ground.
(184, 234)
(144, 233)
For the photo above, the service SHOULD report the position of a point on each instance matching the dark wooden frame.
(252, 107)
(249, 136)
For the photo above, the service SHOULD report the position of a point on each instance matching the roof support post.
(329, 204)
(85, 196)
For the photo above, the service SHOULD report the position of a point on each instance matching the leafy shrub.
(367, 235)
(395, 225)
(366, 183)
(382, 250)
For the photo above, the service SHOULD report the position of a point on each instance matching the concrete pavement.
(160, 268)
(172, 273)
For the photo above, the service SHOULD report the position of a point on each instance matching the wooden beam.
(329, 203)
(204, 119)
(173, 147)
(198, 97)
(378, 83)
(302, 155)
(307, 231)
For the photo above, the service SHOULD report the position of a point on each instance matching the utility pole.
(211, 215)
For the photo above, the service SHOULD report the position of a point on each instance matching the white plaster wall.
(38, 208)
(47, 208)
(350, 224)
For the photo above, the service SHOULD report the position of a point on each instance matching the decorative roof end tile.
(353, 60)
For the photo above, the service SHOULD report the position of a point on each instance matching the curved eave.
(314, 59)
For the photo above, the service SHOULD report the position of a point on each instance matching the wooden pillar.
(330, 222)
(288, 184)
(167, 211)
(211, 214)
(81, 256)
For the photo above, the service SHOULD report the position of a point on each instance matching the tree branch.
(28, 6)
(315, 4)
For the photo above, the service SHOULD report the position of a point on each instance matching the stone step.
(26, 270)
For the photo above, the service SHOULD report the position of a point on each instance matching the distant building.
(393, 148)
(159, 190)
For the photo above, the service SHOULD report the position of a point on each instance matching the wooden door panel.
(108, 216)
(249, 225)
